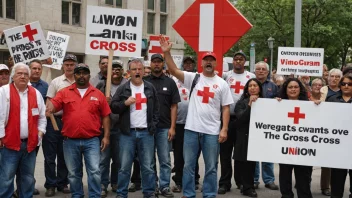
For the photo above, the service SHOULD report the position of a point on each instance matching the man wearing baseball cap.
(52, 142)
(210, 98)
(4, 75)
(85, 111)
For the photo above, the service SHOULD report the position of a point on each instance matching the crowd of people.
(145, 116)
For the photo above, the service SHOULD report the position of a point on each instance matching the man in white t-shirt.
(209, 101)
(137, 104)
(236, 80)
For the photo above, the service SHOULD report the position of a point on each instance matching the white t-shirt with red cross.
(236, 82)
(138, 110)
(207, 99)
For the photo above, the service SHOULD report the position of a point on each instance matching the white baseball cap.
(3, 67)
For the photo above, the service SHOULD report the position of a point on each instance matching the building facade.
(69, 17)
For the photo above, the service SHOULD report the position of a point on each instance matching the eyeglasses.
(344, 84)
(116, 69)
(26, 75)
(317, 85)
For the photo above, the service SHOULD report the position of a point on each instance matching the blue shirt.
(42, 87)
(270, 90)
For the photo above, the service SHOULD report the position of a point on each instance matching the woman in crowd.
(293, 89)
(338, 176)
(317, 84)
(252, 91)
(333, 85)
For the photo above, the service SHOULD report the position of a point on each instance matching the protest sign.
(113, 28)
(301, 133)
(27, 42)
(300, 61)
(178, 60)
(57, 45)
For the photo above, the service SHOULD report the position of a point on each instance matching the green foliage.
(325, 24)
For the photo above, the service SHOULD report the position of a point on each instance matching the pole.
(298, 23)
(271, 62)
(108, 77)
(252, 57)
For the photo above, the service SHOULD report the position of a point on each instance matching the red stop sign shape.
(229, 26)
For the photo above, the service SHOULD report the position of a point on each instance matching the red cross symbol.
(296, 115)
(139, 101)
(184, 93)
(237, 87)
(206, 94)
(29, 32)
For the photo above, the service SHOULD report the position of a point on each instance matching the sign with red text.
(300, 61)
(301, 133)
(57, 45)
(27, 42)
(113, 28)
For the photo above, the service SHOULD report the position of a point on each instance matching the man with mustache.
(85, 111)
(4, 75)
(210, 98)
(137, 104)
(112, 151)
(168, 98)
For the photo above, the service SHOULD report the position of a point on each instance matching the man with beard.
(52, 142)
(209, 100)
(269, 90)
(112, 151)
(85, 111)
(236, 80)
(101, 76)
(137, 104)
(4, 75)
(168, 98)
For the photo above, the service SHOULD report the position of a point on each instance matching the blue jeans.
(163, 146)
(267, 173)
(209, 145)
(143, 142)
(73, 151)
(111, 152)
(10, 161)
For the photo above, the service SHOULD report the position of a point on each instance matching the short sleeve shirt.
(207, 99)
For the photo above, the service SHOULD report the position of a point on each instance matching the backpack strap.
(194, 82)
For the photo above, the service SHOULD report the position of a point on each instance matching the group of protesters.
(145, 116)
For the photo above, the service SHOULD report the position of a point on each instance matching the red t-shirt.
(81, 116)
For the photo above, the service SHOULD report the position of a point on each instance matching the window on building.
(163, 24)
(71, 12)
(8, 9)
(150, 23)
(151, 4)
(114, 3)
(163, 7)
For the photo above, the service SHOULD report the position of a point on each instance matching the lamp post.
(271, 47)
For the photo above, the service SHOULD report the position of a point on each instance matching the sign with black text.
(27, 42)
(113, 28)
(300, 61)
(57, 45)
(301, 133)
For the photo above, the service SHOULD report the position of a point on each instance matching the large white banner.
(27, 42)
(301, 133)
(300, 61)
(113, 28)
(57, 45)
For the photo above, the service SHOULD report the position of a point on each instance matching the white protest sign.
(178, 60)
(27, 42)
(57, 45)
(118, 29)
(300, 61)
(301, 133)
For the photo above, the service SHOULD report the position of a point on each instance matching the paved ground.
(262, 191)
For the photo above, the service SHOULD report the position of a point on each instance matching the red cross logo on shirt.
(184, 93)
(237, 87)
(29, 32)
(296, 115)
(206, 94)
(139, 101)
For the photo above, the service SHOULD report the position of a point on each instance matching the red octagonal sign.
(212, 25)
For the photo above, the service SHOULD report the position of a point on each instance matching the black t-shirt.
(338, 98)
(167, 95)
